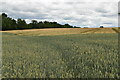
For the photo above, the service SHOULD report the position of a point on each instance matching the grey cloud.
(119, 7)
(74, 3)
(107, 23)
(73, 12)
(101, 10)
(109, 15)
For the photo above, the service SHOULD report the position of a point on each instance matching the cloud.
(77, 12)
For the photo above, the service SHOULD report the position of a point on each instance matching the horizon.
(75, 13)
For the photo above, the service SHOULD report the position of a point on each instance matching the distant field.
(62, 31)
(81, 54)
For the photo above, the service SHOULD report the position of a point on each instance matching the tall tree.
(11, 24)
(34, 24)
(8, 23)
(21, 24)
(4, 15)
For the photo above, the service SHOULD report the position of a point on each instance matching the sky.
(81, 13)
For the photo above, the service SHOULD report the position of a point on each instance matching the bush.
(101, 27)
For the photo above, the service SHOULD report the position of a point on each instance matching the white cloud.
(77, 12)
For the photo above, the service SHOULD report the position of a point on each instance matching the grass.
(59, 56)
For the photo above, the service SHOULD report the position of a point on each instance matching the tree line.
(12, 24)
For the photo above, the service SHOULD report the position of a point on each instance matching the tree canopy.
(12, 24)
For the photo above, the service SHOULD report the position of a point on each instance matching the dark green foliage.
(11, 24)
(4, 15)
(76, 27)
(21, 24)
(85, 27)
(8, 23)
(68, 26)
(101, 27)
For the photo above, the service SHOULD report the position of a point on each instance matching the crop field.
(35, 54)
(63, 31)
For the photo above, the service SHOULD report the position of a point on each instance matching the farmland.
(60, 53)
(62, 31)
